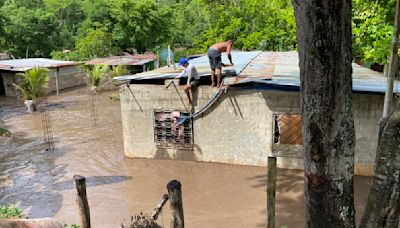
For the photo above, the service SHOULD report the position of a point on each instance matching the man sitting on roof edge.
(192, 77)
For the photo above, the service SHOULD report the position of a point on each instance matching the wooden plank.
(271, 189)
(81, 200)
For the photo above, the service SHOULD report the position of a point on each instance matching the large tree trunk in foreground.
(383, 207)
(324, 39)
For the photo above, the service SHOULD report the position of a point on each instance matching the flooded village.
(222, 183)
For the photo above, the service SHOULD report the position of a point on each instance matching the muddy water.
(214, 195)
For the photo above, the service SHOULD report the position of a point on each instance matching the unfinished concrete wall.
(68, 76)
(367, 112)
(238, 129)
(8, 79)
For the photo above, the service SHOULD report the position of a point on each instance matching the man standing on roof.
(193, 78)
(214, 55)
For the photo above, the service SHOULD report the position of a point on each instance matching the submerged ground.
(214, 195)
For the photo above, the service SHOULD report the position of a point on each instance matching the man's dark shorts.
(215, 58)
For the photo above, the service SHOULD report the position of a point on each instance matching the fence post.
(175, 199)
(271, 189)
(81, 200)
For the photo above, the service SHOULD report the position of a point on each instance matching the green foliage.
(119, 70)
(33, 83)
(68, 56)
(97, 42)
(29, 30)
(140, 24)
(5, 132)
(72, 226)
(252, 24)
(372, 30)
(96, 75)
(10, 212)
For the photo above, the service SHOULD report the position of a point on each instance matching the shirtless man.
(214, 55)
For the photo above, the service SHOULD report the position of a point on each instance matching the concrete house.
(257, 115)
(62, 74)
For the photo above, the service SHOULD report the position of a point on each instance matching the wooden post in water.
(81, 200)
(271, 189)
(175, 199)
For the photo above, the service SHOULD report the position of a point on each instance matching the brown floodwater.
(214, 195)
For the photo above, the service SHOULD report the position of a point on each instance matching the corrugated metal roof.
(128, 60)
(270, 68)
(20, 65)
(241, 60)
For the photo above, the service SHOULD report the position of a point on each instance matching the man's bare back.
(214, 55)
(222, 46)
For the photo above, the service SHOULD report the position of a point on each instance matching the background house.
(62, 74)
(256, 117)
(135, 63)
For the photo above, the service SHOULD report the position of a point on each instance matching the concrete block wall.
(8, 79)
(68, 76)
(236, 130)
(367, 110)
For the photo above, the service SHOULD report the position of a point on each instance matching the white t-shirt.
(191, 72)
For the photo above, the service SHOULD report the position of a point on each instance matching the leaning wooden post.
(271, 189)
(158, 208)
(81, 200)
(175, 199)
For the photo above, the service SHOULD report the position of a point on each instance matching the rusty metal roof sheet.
(270, 68)
(128, 60)
(20, 65)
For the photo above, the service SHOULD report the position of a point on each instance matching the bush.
(10, 212)
(5, 132)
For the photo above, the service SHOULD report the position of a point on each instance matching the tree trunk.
(324, 39)
(383, 206)
(388, 105)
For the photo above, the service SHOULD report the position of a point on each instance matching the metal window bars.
(168, 133)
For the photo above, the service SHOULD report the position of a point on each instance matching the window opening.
(167, 134)
(287, 129)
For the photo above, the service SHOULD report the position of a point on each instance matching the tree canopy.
(97, 28)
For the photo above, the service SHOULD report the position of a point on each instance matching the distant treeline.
(97, 28)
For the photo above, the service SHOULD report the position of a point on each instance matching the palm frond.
(33, 83)
(96, 76)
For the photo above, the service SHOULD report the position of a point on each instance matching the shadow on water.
(178, 154)
(289, 207)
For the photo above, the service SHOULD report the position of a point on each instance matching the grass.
(72, 226)
(10, 212)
